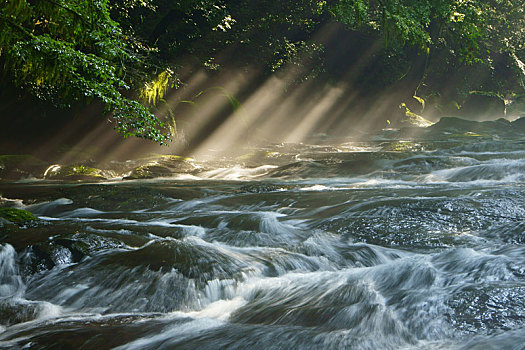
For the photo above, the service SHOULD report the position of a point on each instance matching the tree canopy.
(66, 51)
(76, 51)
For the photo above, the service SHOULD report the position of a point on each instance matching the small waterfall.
(11, 285)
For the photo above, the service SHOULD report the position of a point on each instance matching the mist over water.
(392, 243)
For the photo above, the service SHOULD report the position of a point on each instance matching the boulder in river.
(461, 128)
(75, 172)
(161, 166)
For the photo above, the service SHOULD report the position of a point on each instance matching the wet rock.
(36, 259)
(77, 248)
(191, 259)
(260, 188)
(343, 164)
(12, 313)
(15, 167)
(462, 128)
(149, 172)
(119, 197)
(46, 255)
(452, 124)
(161, 166)
(490, 307)
(104, 333)
(77, 172)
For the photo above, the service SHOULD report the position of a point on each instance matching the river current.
(385, 243)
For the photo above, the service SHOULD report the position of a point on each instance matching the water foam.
(11, 284)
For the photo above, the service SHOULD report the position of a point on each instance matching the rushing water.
(330, 245)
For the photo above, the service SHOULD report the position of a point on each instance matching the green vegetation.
(470, 30)
(17, 216)
(127, 54)
(66, 51)
(77, 172)
(81, 170)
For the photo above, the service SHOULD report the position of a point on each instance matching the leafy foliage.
(73, 51)
(470, 27)
(269, 32)
(466, 39)
(110, 50)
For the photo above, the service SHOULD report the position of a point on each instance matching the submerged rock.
(192, 258)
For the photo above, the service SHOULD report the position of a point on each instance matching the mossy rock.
(162, 166)
(17, 166)
(76, 172)
(17, 216)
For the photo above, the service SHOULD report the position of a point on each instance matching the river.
(385, 243)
